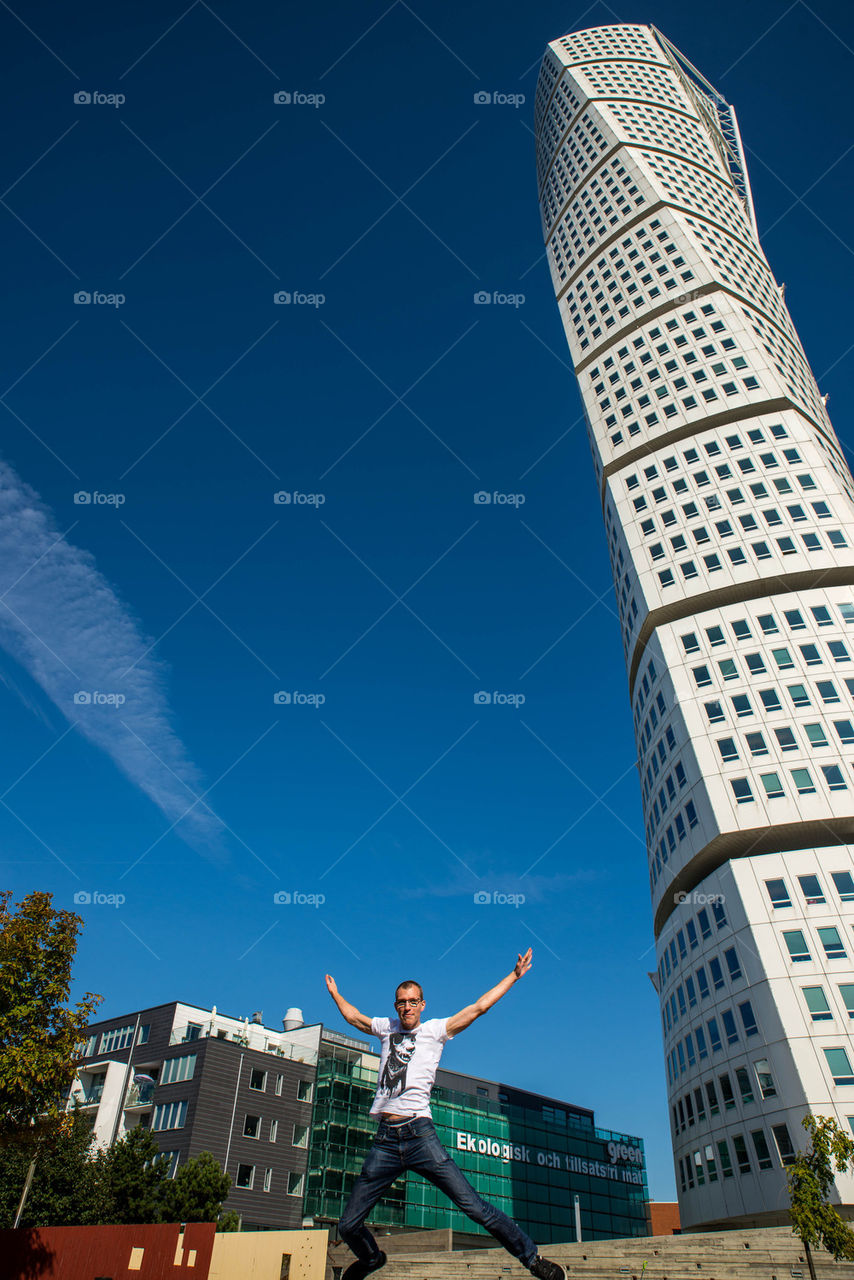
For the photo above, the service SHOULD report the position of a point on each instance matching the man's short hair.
(410, 982)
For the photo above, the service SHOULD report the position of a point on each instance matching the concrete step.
(770, 1253)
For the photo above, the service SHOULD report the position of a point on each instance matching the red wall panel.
(103, 1253)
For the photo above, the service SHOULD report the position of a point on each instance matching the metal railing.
(140, 1095)
(211, 1031)
(335, 1037)
(87, 1097)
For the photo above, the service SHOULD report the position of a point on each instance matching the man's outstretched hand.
(466, 1016)
(348, 1011)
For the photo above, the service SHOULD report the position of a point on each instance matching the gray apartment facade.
(201, 1082)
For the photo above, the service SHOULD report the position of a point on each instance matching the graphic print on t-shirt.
(401, 1046)
(407, 1066)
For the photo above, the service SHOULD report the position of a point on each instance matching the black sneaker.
(544, 1269)
(358, 1270)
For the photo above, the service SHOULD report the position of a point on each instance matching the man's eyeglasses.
(403, 1004)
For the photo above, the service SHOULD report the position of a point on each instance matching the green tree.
(129, 1180)
(39, 1030)
(196, 1192)
(810, 1179)
(64, 1182)
(76, 1183)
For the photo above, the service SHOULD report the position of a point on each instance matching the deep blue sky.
(495, 597)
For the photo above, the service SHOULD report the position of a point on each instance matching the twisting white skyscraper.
(729, 512)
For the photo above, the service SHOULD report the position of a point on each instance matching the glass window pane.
(741, 790)
(784, 1143)
(816, 1002)
(796, 944)
(804, 786)
(840, 1067)
(844, 885)
(832, 943)
(811, 889)
(846, 990)
(726, 1162)
(778, 893)
(765, 1079)
(730, 1029)
(744, 1086)
(763, 1155)
(741, 1155)
(748, 1018)
(833, 777)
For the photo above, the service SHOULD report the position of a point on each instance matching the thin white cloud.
(63, 622)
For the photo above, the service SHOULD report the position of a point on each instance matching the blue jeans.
(415, 1145)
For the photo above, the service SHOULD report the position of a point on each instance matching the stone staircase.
(768, 1253)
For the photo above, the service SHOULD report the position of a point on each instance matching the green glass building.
(528, 1155)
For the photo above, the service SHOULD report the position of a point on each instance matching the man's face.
(408, 1005)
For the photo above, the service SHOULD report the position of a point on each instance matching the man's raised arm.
(348, 1011)
(466, 1016)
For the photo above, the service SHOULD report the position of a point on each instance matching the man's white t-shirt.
(408, 1062)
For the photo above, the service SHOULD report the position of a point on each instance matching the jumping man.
(406, 1137)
